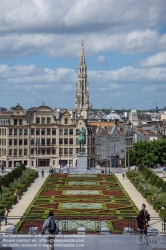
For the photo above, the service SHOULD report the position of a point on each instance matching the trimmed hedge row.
(154, 181)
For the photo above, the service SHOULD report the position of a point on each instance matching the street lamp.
(60, 156)
(37, 146)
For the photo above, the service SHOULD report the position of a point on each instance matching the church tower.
(82, 93)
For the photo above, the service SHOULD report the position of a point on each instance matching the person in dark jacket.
(142, 222)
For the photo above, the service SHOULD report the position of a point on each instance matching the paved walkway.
(19, 208)
(139, 200)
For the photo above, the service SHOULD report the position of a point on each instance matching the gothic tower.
(82, 93)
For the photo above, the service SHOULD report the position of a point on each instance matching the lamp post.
(37, 146)
(60, 156)
(125, 155)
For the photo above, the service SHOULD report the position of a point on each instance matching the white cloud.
(69, 45)
(154, 61)
(123, 86)
(43, 16)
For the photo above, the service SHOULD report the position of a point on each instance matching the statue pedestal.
(81, 162)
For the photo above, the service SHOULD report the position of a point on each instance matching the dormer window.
(66, 121)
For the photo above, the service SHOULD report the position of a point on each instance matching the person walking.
(42, 173)
(123, 174)
(5, 215)
(50, 228)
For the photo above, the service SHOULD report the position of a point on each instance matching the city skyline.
(125, 52)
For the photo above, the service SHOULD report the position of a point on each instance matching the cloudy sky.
(125, 49)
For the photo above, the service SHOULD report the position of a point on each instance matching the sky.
(125, 52)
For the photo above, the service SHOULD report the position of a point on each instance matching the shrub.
(5, 181)
(140, 167)
(151, 177)
(148, 174)
(164, 186)
(159, 182)
(154, 179)
(23, 167)
(162, 213)
(10, 177)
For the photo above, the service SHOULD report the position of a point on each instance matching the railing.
(70, 224)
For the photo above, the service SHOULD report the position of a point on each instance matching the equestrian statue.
(81, 140)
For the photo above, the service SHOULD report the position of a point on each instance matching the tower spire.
(82, 54)
(82, 93)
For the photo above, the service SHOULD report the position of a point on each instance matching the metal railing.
(70, 224)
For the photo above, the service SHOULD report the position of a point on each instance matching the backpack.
(53, 226)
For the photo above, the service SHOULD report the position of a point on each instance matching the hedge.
(159, 182)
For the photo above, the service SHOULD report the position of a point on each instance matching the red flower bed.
(109, 206)
(113, 193)
(50, 193)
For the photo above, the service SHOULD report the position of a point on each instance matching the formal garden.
(93, 201)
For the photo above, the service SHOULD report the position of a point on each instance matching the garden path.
(19, 208)
(138, 199)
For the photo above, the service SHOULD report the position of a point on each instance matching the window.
(48, 131)
(25, 131)
(43, 141)
(48, 141)
(53, 151)
(25, 151)
(20, 122)
(15, 151)
(43, 120)
(65, 141)
(10, 131)
(20, 151)
(43, 131)
(66, 121)
(60, 141)
(38, 131)
(32, 131)
(38, 120)
(60, 131)
(25, 142)
(10, 151)
(66, 131)
(53, 141)
(43, 152)
(65, 151)
(48, 151)
(32, 151)
(20, 141)
(77, 131)
(15, 141)
(60, 151)
(15, 131)
(15, 121)
(10, 142)
(54, 131)
(32, 141)
(48, 120)
(20, 131)
(70, 151)
(71, 131)
(71, 141)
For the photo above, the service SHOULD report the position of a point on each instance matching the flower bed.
(76, 197)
